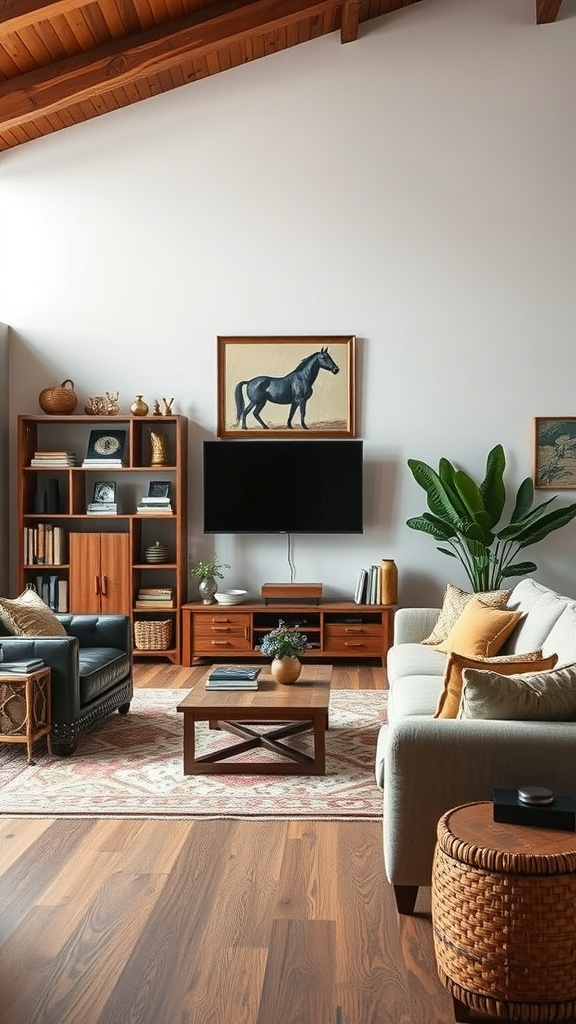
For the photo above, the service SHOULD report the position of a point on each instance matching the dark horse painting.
(294, 389)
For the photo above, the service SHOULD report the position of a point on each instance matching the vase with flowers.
(206, 573)
(284, 644)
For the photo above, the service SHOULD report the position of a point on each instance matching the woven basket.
(153, 634)
(504, 927)
(60, 400)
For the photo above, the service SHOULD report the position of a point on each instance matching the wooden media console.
(335, 629)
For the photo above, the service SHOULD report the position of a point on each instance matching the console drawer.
(353, 638)
(221, 632)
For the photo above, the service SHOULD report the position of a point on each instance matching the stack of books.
(21, 667)
(155, 597)
(369, 586)
(102, 508)
(155, 506)
(53, 459)
(233, 677)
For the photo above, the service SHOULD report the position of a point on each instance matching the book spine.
(62, 596)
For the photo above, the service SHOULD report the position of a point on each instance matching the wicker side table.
(25, 708)
(504, 916)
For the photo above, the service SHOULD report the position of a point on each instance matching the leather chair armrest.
(61, 653)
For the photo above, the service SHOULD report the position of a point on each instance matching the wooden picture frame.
(313, 377)
(555, 453)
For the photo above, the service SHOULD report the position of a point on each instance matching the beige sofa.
(425, 765)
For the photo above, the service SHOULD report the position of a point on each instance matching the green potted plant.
(206, 574)
(284, 644)
(464, 518)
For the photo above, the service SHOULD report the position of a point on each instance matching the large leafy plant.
(464, 518)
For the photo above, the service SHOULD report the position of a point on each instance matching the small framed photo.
(159, 489)
(555, 452)
(286, 386)
(104, 492)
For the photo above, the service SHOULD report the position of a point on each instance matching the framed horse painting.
(282, 387)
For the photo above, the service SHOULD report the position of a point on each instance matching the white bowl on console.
(230, 596)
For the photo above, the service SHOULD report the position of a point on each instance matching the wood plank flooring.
(209, 922)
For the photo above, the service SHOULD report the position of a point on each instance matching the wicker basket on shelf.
(60, 400)
(153, 634)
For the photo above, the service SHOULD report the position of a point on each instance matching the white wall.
(415, 188)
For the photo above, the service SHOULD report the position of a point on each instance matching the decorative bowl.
(230, 596)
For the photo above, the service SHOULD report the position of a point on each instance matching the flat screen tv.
(283, 486)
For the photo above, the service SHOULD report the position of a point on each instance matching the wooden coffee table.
(288, 710)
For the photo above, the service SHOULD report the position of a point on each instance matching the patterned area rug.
(132, 765)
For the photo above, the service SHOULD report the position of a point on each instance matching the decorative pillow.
(27, 615)
(449, 700)
(454, 603)
(535, 697)
(480, 631)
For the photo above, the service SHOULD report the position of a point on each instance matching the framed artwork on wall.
(286, 386)
(555, 452)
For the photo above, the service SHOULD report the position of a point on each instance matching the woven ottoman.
(504, 916)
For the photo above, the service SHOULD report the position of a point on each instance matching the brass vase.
(285, 670)
(139, 407)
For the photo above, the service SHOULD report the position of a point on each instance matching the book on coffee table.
(234, 673)
(235, 684)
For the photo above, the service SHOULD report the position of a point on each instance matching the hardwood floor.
(209, 922)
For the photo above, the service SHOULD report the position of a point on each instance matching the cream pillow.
(27, 615)
(534, 697)
(480, 631)
(449, 700)
(454, 603)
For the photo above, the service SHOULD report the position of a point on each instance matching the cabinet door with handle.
(100, 573)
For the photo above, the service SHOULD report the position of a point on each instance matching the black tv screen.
(283, 486)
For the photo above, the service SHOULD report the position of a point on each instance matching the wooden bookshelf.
(102, 564)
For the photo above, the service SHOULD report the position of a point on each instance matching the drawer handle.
(220, 643)
(222, 629)
(353, 629)
(347, 643)
(220, 620)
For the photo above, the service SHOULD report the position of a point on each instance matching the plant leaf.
(520, 569)
(492, 488)
(434, 527)
(554, 521)
(438, 500)
(524, 499)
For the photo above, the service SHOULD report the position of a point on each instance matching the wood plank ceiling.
(66, 61)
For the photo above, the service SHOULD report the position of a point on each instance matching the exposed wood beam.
(41, 92)
(350, 21)
(547, 11)
(17, 14)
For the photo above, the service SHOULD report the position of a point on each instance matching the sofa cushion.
(541, 608)
(536, 696)
(413, 696)
(454, 603)
(27, 615)
(480, 630)
(100, 668)
(449, 701)
(414, 659)
(562, 636)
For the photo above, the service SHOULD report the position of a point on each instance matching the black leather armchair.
(91, 672)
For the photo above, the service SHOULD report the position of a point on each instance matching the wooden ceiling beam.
(547, 11)
(43, 91)
(18, 14)
(350, 21)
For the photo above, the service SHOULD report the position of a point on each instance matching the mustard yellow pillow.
(454, 603)
(27, 615)
(505, 665)
(480, 631)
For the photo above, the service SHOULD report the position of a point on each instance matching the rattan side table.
(504, 916)
(26, 708)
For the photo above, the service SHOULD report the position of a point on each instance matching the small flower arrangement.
(283, 642)
(207, 570)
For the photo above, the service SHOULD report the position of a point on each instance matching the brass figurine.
(159, 449)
